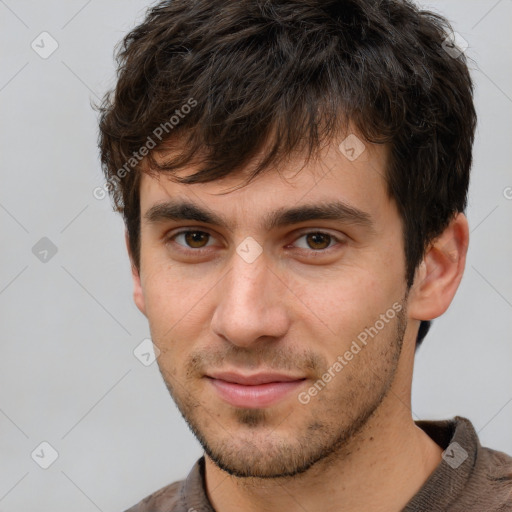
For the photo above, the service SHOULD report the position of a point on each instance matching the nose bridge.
(248, 305)
(247, 284)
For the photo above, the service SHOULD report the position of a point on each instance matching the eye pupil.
(194, 237)
(316, 238)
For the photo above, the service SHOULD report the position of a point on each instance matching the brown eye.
(318, 241)
(196, 239)
(193, 239)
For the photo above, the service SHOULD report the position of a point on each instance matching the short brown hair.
(299, 71)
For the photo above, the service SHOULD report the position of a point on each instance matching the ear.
(138, 295)
(439, 274)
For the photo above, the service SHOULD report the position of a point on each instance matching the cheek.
(341, 307)
(343, 298)
(176, 304)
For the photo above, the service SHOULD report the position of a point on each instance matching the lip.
(253, 391)
(252, 380)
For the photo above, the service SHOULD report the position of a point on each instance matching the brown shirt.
(470, 478)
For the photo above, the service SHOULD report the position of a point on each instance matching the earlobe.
(138, 295)
(438, 276)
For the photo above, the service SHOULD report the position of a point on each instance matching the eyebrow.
(178, 210)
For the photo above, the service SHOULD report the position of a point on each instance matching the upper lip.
(251, 380)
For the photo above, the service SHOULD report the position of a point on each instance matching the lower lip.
(260, 395)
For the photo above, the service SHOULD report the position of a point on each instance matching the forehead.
(333, 177)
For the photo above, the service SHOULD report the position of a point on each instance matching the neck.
(379, 470)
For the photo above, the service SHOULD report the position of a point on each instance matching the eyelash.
(182, 248)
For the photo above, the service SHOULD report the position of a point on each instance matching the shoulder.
(470, 477)
(489, 482)
(495, 478)
(165, 499)
(181, 496)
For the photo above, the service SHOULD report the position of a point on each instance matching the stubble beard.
(321, 439)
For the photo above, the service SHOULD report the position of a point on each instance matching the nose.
(251, 303)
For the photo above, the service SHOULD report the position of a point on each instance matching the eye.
(192, 239)
(317, 240)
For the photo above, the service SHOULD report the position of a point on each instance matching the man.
(293, 177)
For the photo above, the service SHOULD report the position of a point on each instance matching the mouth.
(253, 391)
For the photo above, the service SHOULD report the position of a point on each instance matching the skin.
(295, 309)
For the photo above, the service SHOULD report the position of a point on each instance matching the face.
(278, 340)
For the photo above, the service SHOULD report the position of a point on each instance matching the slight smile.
(253, 391)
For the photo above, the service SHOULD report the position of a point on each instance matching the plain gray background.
(69, 327)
